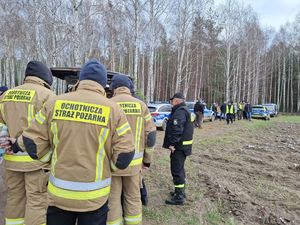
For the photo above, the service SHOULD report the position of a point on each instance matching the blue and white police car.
(160, 113)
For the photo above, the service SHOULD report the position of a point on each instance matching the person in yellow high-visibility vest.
(229, 112)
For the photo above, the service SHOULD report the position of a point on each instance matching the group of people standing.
(72, 157)
(230, 111)
(77, 158)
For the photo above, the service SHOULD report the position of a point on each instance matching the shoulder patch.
(175, 122)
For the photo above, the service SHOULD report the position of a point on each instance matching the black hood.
(40, 70)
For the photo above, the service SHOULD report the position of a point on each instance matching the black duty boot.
(172, 193)
(177, 199)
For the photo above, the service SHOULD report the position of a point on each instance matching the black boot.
(172, 193)
(178, 198)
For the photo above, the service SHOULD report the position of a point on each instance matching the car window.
(270, 107)
(190, 105)
(152, 109)
(165, 108)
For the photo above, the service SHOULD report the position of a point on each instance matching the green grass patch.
(287, 119)
(216, 215)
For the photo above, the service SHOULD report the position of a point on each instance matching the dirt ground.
(243, 173)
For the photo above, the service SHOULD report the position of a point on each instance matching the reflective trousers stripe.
(79, 186)
(115, 222)
(78, 195)
(133, 219)
(18, 221)
(179, 186)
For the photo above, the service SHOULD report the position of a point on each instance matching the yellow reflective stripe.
(47, 157)
(101, 153)
(18, 158)
(138, 131)
(40, 118)
(148, 117)
(187, 142)
(113, 166)
(133, 219)
(118, 221)
(135, 162)
(123, 129)
(78, 195)
(55, 142)
(18, 221)
(179, 186)
(30, 114)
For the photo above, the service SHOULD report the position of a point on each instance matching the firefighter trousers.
(130, 208)
(26, 197)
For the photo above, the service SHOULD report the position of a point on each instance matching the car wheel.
(164, 125)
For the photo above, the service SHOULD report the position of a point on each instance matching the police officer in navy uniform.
(178, 139)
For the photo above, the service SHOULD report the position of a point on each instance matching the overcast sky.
(273, 12)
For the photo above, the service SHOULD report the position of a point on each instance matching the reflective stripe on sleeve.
(123, 129)
(137, 159)
(187, 142)
(148, 117)
(18, 221)
(40, 118)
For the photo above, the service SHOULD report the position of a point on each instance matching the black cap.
(178, 95)
(40, 70)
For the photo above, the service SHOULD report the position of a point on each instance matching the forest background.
(214, 51)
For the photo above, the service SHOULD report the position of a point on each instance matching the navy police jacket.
(179, 130)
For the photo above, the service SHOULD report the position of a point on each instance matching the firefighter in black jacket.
(178, 139)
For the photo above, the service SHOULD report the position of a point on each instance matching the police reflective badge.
(175, 122)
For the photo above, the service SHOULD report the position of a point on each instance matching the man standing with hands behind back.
(178, 139)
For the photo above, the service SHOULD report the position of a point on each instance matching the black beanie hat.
(120, 81)
(40, 70)
(94, 70)
(131, 87)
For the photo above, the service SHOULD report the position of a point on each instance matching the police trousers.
(131, 206)
(57, 216)
(26, 197)
(177, 167)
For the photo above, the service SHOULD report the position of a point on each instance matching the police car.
(208, 113)
(260, 111)
(160, 113)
